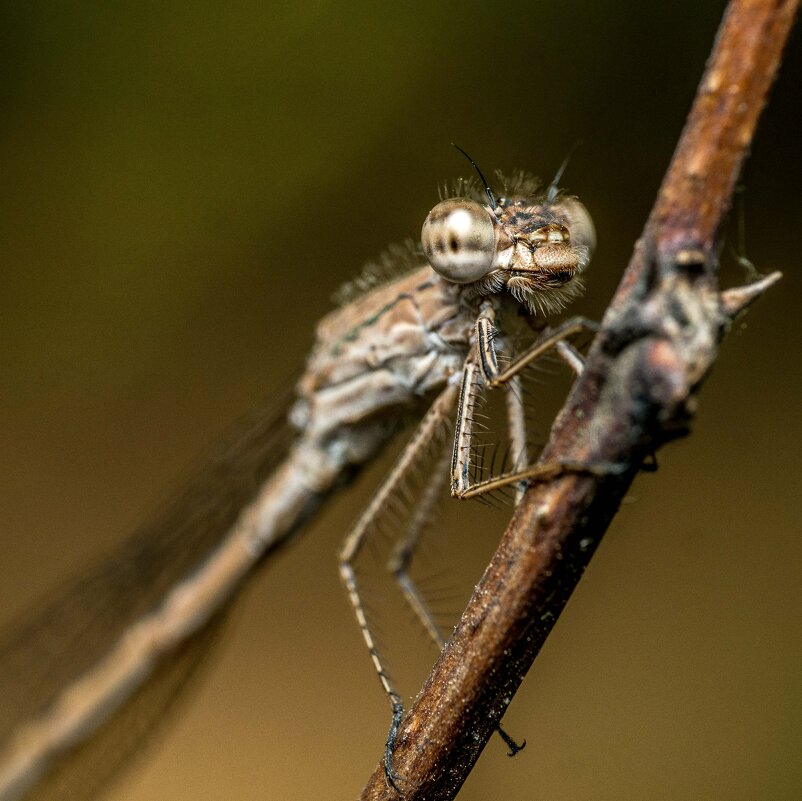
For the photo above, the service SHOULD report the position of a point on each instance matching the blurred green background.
(183, 187)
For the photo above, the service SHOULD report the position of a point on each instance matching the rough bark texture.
(658, 341)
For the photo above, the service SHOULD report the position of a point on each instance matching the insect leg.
(571, 356)
(401, 557)
(516, 427)
(486, 372)
(494, 376)
(516, 416)
(428, 430)
(401, 560)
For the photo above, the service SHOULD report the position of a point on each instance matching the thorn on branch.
(735, 300)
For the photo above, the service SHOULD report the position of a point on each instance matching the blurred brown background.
(185, 185)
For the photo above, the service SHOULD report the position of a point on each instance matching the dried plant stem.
(658, 341)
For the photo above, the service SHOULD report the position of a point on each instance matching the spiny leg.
(516, 415)
(494, 376)
(436, 418)
(486, 371)
(401, 560)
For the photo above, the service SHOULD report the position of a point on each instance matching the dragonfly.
(423, 335)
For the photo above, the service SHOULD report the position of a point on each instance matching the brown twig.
(658, 341)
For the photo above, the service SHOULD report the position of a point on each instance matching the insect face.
(545, 243)
(534, 248)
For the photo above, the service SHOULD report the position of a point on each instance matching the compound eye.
(459, 240)
(580, 224)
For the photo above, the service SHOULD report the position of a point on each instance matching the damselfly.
(431, 332)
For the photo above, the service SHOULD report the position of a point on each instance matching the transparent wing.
(77, 624)
(88, 769)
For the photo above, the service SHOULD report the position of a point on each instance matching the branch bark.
(658, 341)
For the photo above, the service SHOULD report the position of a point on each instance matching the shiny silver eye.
(459, 240)
(583, 232)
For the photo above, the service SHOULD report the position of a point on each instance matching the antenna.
(551, 194)
(488, 191)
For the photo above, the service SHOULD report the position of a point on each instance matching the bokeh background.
(184, 185)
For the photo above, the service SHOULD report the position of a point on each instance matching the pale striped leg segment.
(429, 430)
(485, 372)
(400, 560)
